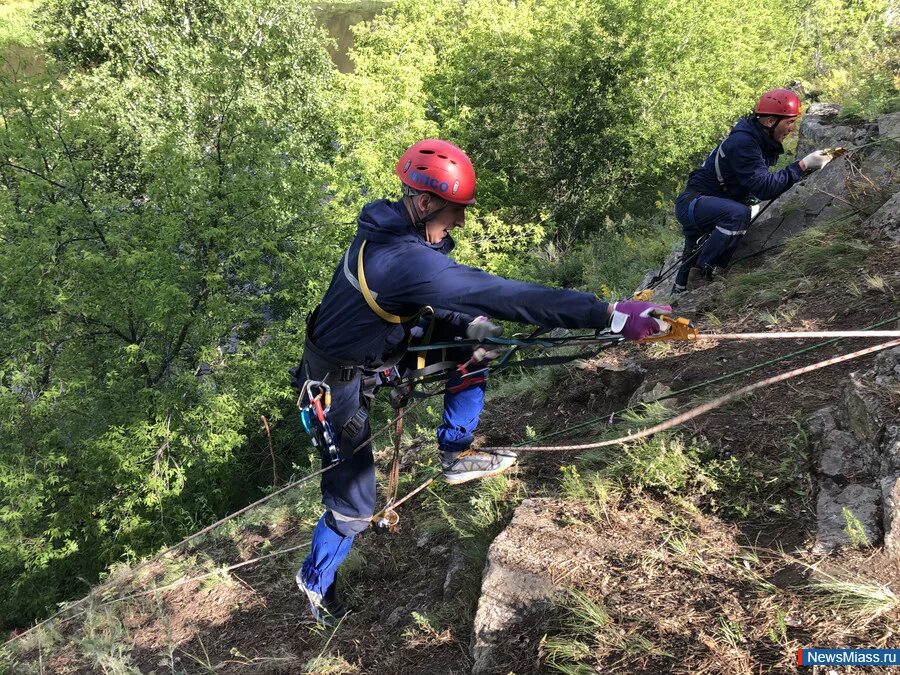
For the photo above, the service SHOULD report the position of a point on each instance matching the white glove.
(481, 327)
(815, 160)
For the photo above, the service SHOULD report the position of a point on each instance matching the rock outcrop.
(518, 584)
(858, 182)
(856, 452)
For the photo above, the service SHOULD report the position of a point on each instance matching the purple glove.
(633, 321)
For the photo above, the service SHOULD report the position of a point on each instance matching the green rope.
(720, 378)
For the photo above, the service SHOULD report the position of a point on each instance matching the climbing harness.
(313, 417)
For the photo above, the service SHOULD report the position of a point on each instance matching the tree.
(161, 201)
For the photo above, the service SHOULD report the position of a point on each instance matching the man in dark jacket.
(715, 201)
(396, 266)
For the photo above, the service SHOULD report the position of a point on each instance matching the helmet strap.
(770, 131)
(420, 220)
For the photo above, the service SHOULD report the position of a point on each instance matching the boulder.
(646, 394)
(621, 378)
(886, 220)
(699, 300)
(818, 129)
(889, 126)
(856, 451)
(834, 504)
(516, 590)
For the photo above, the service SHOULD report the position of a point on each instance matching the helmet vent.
(427, 152)
(455, 186)
(421, 168)
(453, 161)
(442, 156)
(406, 166)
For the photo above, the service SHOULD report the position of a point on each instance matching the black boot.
(331, 604)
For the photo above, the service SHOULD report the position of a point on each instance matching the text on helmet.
(428, 182)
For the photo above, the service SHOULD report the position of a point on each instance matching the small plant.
(422, 633)
(106, 643)
(875, 282)
(855, 530)
(328, 665)
(731, 633)
(861, 598)
(664, 464)
(592, 492)
(589, 634)
(777, 632)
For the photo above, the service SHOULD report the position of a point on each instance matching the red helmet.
(438, 167)
(780, 102)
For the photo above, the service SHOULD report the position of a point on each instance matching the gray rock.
(454, 579)
(621, 379)
(889, 125)
(699, 300)
(862, 501)
(863, 408)
(890, 494)
(515, 590)
(842, 455)
(886, 220)
(820, 424)
(646, 394)
(818, 130)
(856, 446)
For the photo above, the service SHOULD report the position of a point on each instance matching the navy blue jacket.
(407, 273)
(747, 154)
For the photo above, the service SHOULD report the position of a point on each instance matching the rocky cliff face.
(856, 448)
(862, 181)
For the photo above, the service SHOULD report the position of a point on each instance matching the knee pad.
(346, 526)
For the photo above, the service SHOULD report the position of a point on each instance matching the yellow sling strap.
(367, 294)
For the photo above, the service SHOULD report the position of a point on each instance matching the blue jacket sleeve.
(751, 172)
(472, 291)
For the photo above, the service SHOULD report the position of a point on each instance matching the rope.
(223, 570)
(787, 335)
(590, 338)
(701, 409)
(699, 385)
(133, 572)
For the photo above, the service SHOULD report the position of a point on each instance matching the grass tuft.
(861, 598)
(828, 253)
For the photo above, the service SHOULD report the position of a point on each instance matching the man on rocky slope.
(716, 200)
(394, 275)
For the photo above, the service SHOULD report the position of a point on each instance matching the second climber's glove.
(815, 160)
(633, 321)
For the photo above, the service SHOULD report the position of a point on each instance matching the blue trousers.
(348, 490)
(725, 221)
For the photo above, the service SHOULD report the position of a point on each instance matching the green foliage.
(589, 633)
(663, 464)
(825, 254)
(149, 213)
(855, 530)
(178, 181)
(852, 52)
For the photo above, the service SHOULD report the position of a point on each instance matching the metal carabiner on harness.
(313, 416)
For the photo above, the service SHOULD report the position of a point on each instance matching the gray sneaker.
(461, 467)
